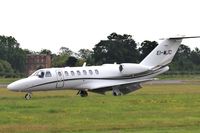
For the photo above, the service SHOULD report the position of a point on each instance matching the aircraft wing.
(105, 85)
(124, 87)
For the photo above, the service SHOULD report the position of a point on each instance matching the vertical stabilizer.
(164, 52)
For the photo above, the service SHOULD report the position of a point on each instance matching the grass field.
(195, 77)
(153, 109)
(7, 80)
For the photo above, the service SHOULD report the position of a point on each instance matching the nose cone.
(12, 87)
(19, 85)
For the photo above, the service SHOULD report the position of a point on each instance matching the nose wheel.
(82, 93)
(28, 96)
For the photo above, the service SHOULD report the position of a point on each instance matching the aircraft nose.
(16, 86)
(19, 85)
(11, 87)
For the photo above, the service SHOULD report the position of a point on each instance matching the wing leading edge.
(104, 86)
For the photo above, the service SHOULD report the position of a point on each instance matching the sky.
(76, 24)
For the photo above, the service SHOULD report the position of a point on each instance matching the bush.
(6, 69)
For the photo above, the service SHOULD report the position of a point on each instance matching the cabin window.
(72, 73)
(59, 74)
(48, 74)
(84, 72)
(78, 72)
(66, 73)
(96, 71)
(90, 72)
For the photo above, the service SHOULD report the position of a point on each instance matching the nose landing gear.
(82, 93)
(28, 96)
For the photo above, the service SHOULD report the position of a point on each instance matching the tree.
(71, 61)
(65, 50)
(45, 51)
(5, 69)
(195, 56)
(6, 66)
(182, 60)
(85, 53)
(11, 52)
(118, 48)
(59, 60)
(86, 56)
(18, 61)
(27, 51)
(183, 52)
(146, 48)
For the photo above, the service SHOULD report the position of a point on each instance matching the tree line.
(115, 49)
(12, 57)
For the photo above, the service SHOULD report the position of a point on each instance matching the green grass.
(190, 77)
(7, 80)
(152, 109)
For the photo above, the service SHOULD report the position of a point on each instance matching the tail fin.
(164, 52)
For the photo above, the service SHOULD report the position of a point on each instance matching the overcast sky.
(76, 24)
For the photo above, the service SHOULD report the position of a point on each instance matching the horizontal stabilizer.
(183, 37)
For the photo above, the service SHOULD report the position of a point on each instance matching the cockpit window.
(48, 74)
(34, 73)
(40, 74)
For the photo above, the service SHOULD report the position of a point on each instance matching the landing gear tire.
(82, 93)
(116, 94)
(28, 96)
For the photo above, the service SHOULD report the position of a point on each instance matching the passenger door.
(60, 79)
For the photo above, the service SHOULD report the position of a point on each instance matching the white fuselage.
(80, 78)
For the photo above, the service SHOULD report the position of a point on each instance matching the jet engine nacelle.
(131, 68)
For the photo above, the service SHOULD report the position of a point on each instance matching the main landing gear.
(117, 94)
(116, 91)
(28, 96)
(82, 93)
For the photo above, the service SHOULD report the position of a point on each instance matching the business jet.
(121, 78)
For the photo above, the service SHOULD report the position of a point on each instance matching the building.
(35, 62)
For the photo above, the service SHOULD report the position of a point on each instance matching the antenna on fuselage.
(84, 64)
